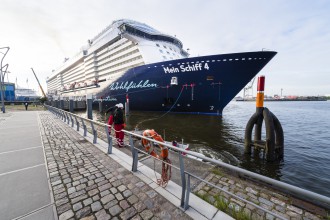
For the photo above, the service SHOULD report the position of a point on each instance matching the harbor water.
(306, 134)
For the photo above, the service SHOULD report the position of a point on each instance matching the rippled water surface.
(306, 134)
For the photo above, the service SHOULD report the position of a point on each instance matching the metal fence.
(87, 124)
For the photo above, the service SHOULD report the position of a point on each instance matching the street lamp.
(2, 78)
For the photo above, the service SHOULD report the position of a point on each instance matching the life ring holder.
(166, 162)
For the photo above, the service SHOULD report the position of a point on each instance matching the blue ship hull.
(205, 85)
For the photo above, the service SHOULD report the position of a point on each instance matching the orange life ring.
(150, 133)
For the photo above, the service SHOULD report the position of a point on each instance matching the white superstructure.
(22, 94)
(122, 45)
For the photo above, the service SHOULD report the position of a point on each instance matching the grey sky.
(41, 33)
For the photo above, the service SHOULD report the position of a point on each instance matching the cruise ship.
(132, 62)
(25, 94)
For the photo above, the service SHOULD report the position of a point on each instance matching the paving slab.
(23, 192)
(43, 214)
(21, 159)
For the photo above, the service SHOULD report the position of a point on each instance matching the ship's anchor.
(273, 146)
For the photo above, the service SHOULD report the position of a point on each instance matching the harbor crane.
(43, 92)
(248, 90)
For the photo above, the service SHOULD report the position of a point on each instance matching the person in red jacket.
(118, 120)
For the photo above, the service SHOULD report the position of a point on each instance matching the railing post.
(77, 122)
(109, 138)
(186, 204)
(64, 115)
(72, 123)
(84, 126)
(183, 180)
(68, 119)
(134, 154)
(94, 133)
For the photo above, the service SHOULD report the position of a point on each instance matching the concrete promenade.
(49, 171)
(24, 186)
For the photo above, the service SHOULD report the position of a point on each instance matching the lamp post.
(2, 79)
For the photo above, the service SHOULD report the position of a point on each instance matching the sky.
(41, 33)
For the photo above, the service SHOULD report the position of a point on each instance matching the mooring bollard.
(127, 105)
(71, 104)
(126, 108)
(100, 106)
(89, 106)
(61, 103)
(274, 144)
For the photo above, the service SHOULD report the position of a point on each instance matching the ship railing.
(186, 176)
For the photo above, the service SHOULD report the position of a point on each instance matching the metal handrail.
(280, 185)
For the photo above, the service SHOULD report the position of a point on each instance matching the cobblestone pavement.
(279, 203)
(87, 184)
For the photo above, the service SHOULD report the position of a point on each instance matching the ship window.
(210, 78)
(164, 46)
(161, 51)
(224, 60)
(243, 58)
(171, 58)
(165, 57)
(236, 59)
(168, 52)
(170, 48)
(157, 45)
(230, 59)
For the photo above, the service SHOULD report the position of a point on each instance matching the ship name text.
(132, 85)
(108, 98)
(186, 68)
